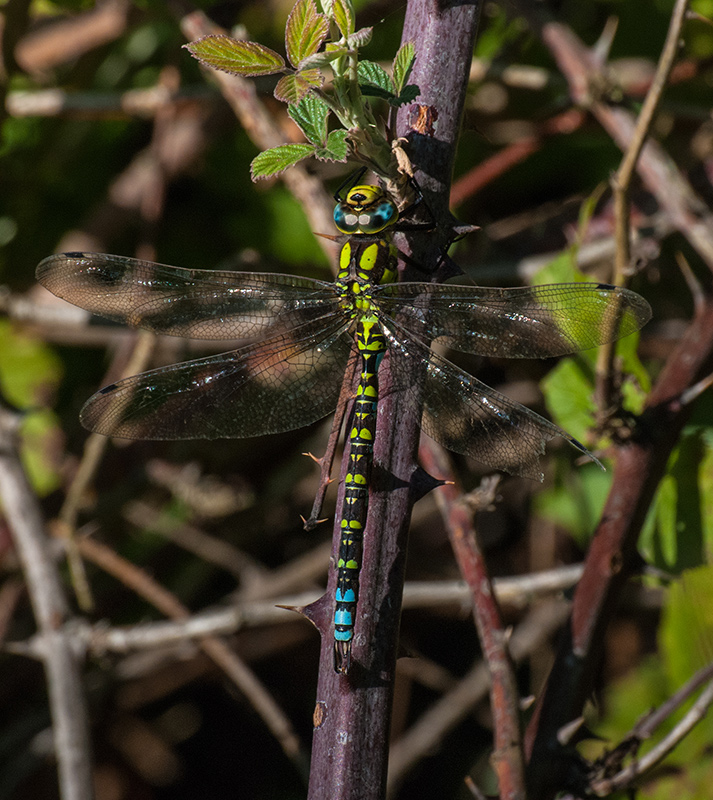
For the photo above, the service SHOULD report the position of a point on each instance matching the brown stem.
(612, 556)
(353, 713)
(507, 758)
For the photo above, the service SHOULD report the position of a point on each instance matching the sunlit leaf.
(278, 159)
(372, 74)
(42, 451)
(305, 31)
(311, 115)
(562, 269)
(403, 63)
(336, 148)
(292, 88)
(675, 535)
(588, 209)
(360, 38)
(234, 56)
(576, 500)
(568, 394)
(322, 59)
(29, 369)
(687, 630)
(343, 14)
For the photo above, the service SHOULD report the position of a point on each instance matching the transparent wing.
(279, 384)
(185, 302)
(526, 322)
(465, 415)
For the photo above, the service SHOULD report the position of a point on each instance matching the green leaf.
(41, 451)
(371, 74)
(501, 29)
(562, 269)
(407, 95)
(568, 394)
(29, 370)
(343, 15)
(369, 90)
(403, 64)
(292, 88)
(234, 56)
(588, 209)
(637, 383)
(278, 159)
(323, 59)
(336, 148)
(305, 31)
(311, 115)
(676, 534)
(360, 38)
(687, 625)
(576, 500)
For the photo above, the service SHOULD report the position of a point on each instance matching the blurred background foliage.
(172, 726)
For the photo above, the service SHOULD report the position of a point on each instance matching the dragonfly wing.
(279, 384)
(201, 304)
(523, 322)
(468, 417)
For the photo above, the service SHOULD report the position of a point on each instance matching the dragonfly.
(303, 335)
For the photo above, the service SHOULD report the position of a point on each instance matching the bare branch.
(60, 657)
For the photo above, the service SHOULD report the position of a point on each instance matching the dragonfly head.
(365, 210)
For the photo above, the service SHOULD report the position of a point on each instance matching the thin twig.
(640, 766)
(233, 666)
(519, 592)
(621, 182)
(622, 178)
(141, 103)
(430, 730)
(659, 173)
(61, 661)
(210, 549)
(94, 449)
(508, 757)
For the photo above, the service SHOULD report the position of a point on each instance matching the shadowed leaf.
(336, 147)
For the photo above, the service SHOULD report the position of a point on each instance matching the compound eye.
(345, 219)
(380, 217)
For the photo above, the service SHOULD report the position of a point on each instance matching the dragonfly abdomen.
(355, 507)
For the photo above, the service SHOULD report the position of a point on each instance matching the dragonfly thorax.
(367, 263)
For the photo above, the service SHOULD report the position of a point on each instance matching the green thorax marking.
(362, 265)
